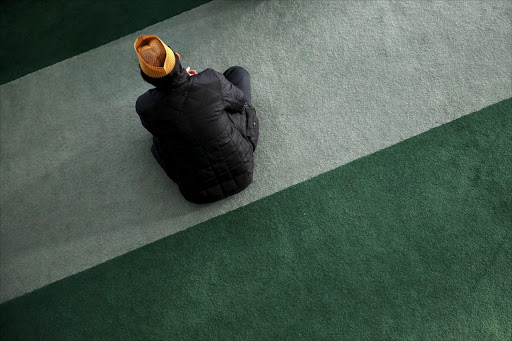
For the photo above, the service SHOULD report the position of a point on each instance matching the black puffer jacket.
(204, 134)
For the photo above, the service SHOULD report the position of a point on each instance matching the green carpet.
(331, 84)
(410, 243)
(42, 33)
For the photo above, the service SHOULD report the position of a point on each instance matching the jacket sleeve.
(140, 107)
(145, 124)
(233, 97)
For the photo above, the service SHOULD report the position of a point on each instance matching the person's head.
(159, 65)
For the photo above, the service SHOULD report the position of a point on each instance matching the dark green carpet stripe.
(36, 34)
(412, 242)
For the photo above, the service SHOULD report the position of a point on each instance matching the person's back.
(205, 129)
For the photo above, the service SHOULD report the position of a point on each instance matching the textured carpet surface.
(331, 83)
(42, 33)
(413, 242)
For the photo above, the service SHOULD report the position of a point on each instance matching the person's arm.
(140, 107)
(145, 123)
(233, 97)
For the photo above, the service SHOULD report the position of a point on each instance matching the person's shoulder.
(208, 77)
(144, 101)
(209, 72)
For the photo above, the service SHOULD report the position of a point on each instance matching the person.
(204, 126)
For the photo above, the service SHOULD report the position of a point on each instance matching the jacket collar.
(180, 79)
(177, 78)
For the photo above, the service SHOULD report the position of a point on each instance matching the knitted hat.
(155, 58)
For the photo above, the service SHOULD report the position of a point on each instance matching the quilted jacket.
(204, 134)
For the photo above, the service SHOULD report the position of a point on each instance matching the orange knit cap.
(155, 58)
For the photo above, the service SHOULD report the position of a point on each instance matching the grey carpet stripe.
(331, 83)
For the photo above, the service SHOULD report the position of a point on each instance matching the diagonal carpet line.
(390, 246)
(76, 163)
(71, 28)
(505, 103)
